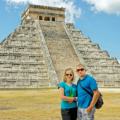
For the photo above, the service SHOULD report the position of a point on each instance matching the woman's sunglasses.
(68, 74)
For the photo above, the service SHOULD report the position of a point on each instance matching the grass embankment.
(44, 104)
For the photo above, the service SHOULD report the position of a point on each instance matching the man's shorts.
(84, 115)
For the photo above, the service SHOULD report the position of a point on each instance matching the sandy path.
(116, 90)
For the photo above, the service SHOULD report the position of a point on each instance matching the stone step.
(104, 68)
(23, 83)
(31, 74)
(81, 39)
(23, 71)
(23, 43)
(108, 82)
(106, 76)
(21, 57)
(87, 46)
(19, 41)
(21, 49)
(70, 26)
(23, 46)
(75, 33)
(105, 72)
(28, 22)
(25, 35)
(26, 28)
(100, 61)
(94, 53)
(22, 65)
(22, 80)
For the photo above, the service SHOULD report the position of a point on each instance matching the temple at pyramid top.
(44, 13)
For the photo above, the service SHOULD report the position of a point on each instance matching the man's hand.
(94, 100)
(89, 109)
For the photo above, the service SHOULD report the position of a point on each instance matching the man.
(86, 103)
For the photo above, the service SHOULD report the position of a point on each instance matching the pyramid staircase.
(61, 50)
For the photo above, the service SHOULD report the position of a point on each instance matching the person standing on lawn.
(67, 91)
(86, 103)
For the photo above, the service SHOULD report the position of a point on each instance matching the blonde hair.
(64, 77)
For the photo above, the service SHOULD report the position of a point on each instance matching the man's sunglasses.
(68, 74)
(80, 69)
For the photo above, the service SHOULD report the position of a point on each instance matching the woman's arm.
(63, 97)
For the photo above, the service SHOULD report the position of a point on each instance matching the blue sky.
(97, 19)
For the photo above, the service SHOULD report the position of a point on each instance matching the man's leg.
(83, 115)
(79, 113)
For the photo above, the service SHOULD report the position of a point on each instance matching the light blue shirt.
(69, 91)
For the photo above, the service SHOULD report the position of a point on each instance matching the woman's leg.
(66, 114)
(73, 113)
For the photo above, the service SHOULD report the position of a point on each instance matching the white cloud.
(6, 8)
(71, 10)
(107, 6)
(119, 61)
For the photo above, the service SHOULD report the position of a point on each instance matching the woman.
(67, 91)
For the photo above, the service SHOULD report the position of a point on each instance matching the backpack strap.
(85, 89)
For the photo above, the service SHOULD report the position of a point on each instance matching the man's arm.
(94, 100)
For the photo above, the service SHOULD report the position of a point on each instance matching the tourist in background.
(86, 103)
(67, 91)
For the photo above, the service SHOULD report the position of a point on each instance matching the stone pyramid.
(39, 50)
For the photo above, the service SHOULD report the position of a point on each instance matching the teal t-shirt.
(69, 91)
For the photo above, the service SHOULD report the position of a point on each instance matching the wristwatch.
(75, 99)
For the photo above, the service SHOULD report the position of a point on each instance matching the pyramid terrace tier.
(106, 76)
(93, 53)
(28, 22)
(75, 33)
(25, 35)
(21, 49)
(31, 74)
(104, 68)
(108, 82)
(87, 46)
(21, 57)
(7, 65)
(100, 61)
(20, 42)
(70, 26)
(80, 40)
(23, 83)
(26, 29)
